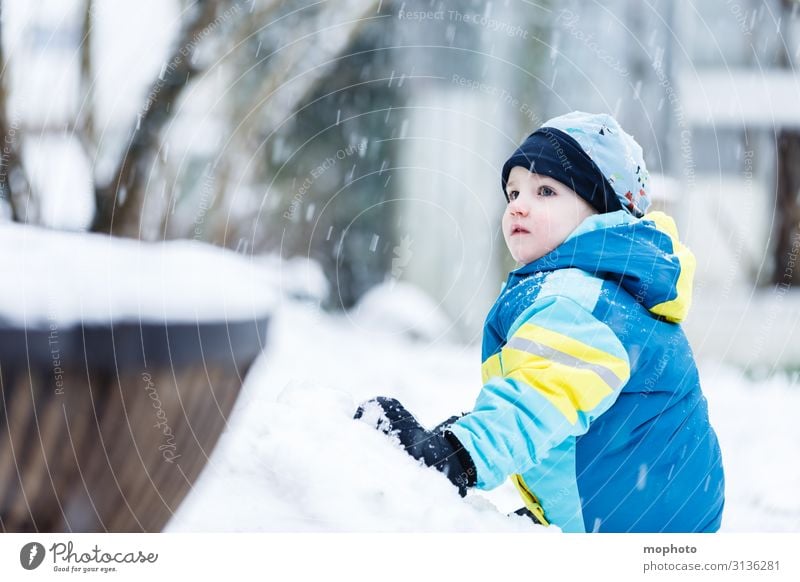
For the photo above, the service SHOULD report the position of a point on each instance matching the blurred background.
(368, 136)
(357, 145)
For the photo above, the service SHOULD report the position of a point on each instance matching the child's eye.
(512, 195)
(546, 191)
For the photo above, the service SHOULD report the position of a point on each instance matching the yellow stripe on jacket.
(572, 375)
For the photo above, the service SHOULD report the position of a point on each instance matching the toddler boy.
(591, 401)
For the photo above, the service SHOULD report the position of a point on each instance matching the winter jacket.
(591, 400)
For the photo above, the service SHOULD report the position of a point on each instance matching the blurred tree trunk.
(787, 210)
(787, 203)
(85, 122)
(14, 184)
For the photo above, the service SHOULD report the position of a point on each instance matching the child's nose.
(517, 207)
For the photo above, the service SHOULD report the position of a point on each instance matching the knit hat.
(593, 155)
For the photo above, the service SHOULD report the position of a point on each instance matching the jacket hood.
(643, 255)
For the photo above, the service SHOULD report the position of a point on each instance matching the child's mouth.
(518, 230)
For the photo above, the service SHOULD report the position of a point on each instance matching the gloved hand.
(437, 448)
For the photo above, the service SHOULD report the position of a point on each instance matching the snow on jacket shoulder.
(591, 400)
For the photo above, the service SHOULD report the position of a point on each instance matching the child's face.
(540, 215)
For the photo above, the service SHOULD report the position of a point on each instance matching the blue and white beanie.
(593, 155)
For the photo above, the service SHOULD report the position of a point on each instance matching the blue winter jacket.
(591, 400)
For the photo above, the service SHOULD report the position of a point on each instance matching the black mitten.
(437, 448)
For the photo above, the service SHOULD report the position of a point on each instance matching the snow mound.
(60, 277)
(400, 308)
(293, 458)
(320, 470)
(299, 278)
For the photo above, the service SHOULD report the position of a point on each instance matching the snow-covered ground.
(293, 460)
(756, 422)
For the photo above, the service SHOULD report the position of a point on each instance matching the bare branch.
(119, 203)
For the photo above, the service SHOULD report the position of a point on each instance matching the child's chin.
(525, 258)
